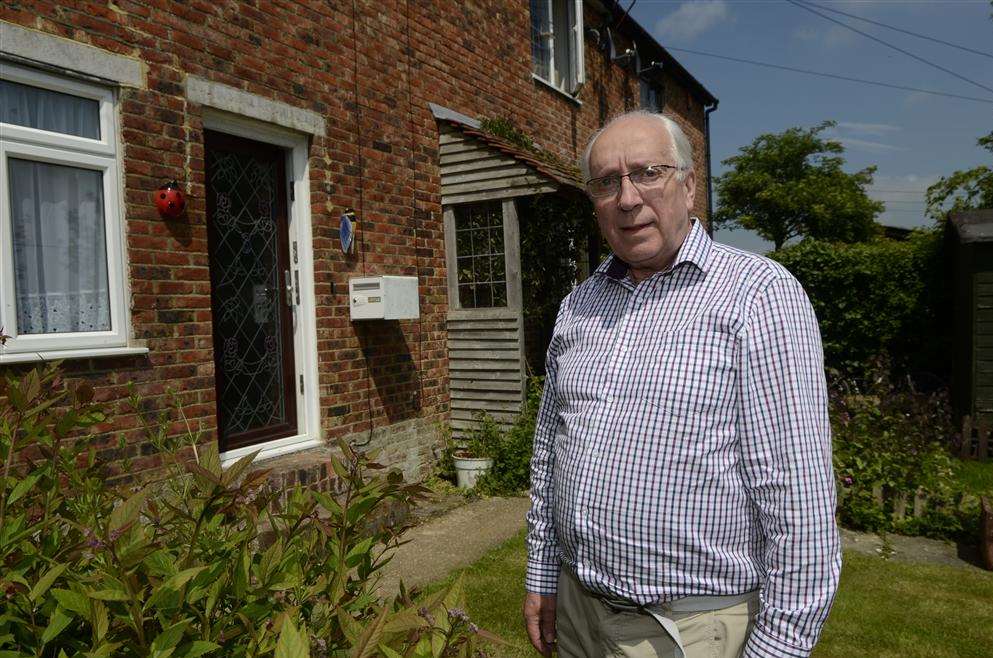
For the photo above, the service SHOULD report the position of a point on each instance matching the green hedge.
(880, 298)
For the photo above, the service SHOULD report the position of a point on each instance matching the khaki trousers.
(585, 627)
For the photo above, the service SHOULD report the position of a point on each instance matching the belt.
(660, 612)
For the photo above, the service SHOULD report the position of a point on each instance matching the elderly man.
(682, 492)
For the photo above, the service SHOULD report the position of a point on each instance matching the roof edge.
(639, 33)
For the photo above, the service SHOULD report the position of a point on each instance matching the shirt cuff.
(762, 645)
(542, 578)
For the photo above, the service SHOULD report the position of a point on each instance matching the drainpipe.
(710, 191)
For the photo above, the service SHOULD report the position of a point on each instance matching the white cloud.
(691, 19)
(852, 136)
(878, 129)
(828, 37)
(855, 144)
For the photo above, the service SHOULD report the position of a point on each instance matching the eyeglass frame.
(628, 175)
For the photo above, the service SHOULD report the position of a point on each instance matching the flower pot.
(468, 469)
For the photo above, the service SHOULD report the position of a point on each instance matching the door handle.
(288, 283)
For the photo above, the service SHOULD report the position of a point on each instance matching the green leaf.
(210, 460)
(351, 628)
(103, 650)
(367, 643)
(455, 598)
(236, 469)
(196, 648)
(170, 588)
(72, 601)
(327, 502)
(362, 548)
(46, 581)
(405, 620)
(127, 512)
(99, 620)
(388, 652)
(22, 488)
(292, 643)
(165, 643)
(108, 595)
(56, 624)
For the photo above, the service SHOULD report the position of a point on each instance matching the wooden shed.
(482, 179)
(971, 249)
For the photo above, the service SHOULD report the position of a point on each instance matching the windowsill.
(546, 83)
(271, 449)
(56, 355)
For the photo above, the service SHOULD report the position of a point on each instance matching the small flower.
(458, 614)
(848, 481)
(473, 628)
(92, 541)
(423, 612)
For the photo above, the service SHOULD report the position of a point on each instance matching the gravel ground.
(453, 540)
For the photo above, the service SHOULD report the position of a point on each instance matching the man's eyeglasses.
(648, 176)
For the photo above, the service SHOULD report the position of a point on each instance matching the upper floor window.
(557, 43)
(61, 285)
(651, 97)
(481, 260)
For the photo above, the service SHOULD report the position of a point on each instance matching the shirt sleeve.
(786, 465)
(542, 544)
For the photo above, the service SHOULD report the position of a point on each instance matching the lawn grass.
(976, 476)
(884, 608)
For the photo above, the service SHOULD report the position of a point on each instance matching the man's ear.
(689, 181)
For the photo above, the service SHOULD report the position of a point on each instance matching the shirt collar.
(695, 249)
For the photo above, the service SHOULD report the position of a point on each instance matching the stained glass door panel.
(249, 266)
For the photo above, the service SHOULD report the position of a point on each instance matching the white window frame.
(567, 78)
(56, 148)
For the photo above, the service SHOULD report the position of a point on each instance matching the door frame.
(296, 147)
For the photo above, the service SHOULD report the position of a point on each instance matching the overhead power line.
(830, 75)
(901, 30)
(803, 5)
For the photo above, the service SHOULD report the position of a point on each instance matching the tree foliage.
(963, 190)
(792, 184)
(884, 298)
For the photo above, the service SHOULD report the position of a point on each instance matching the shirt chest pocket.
(691, 374)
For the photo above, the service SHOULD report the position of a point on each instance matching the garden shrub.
(890, 447)
(204, 561)
(877, 298)
(511, 471)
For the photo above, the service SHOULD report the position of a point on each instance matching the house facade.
(276, 120)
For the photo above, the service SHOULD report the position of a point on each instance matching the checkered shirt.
(683, 445)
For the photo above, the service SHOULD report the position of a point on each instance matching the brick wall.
(370, 68)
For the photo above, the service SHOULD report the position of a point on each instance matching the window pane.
(32, 107)
(465, 270)
(541, 39)
(496, 241)
(60, 256)
(484, 299)
(481, 266)
(497, 267)
(466, 297)
(499, 293)
(563, 55)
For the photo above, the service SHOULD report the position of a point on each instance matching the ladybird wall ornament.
(170, 201)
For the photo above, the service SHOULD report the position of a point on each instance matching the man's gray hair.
(682, 150)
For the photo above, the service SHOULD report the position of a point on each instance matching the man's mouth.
(635, 228)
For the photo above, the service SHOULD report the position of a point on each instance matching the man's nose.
(630, 196)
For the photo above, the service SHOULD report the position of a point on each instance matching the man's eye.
(651, 173)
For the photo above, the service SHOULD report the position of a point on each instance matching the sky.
(912, 138)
